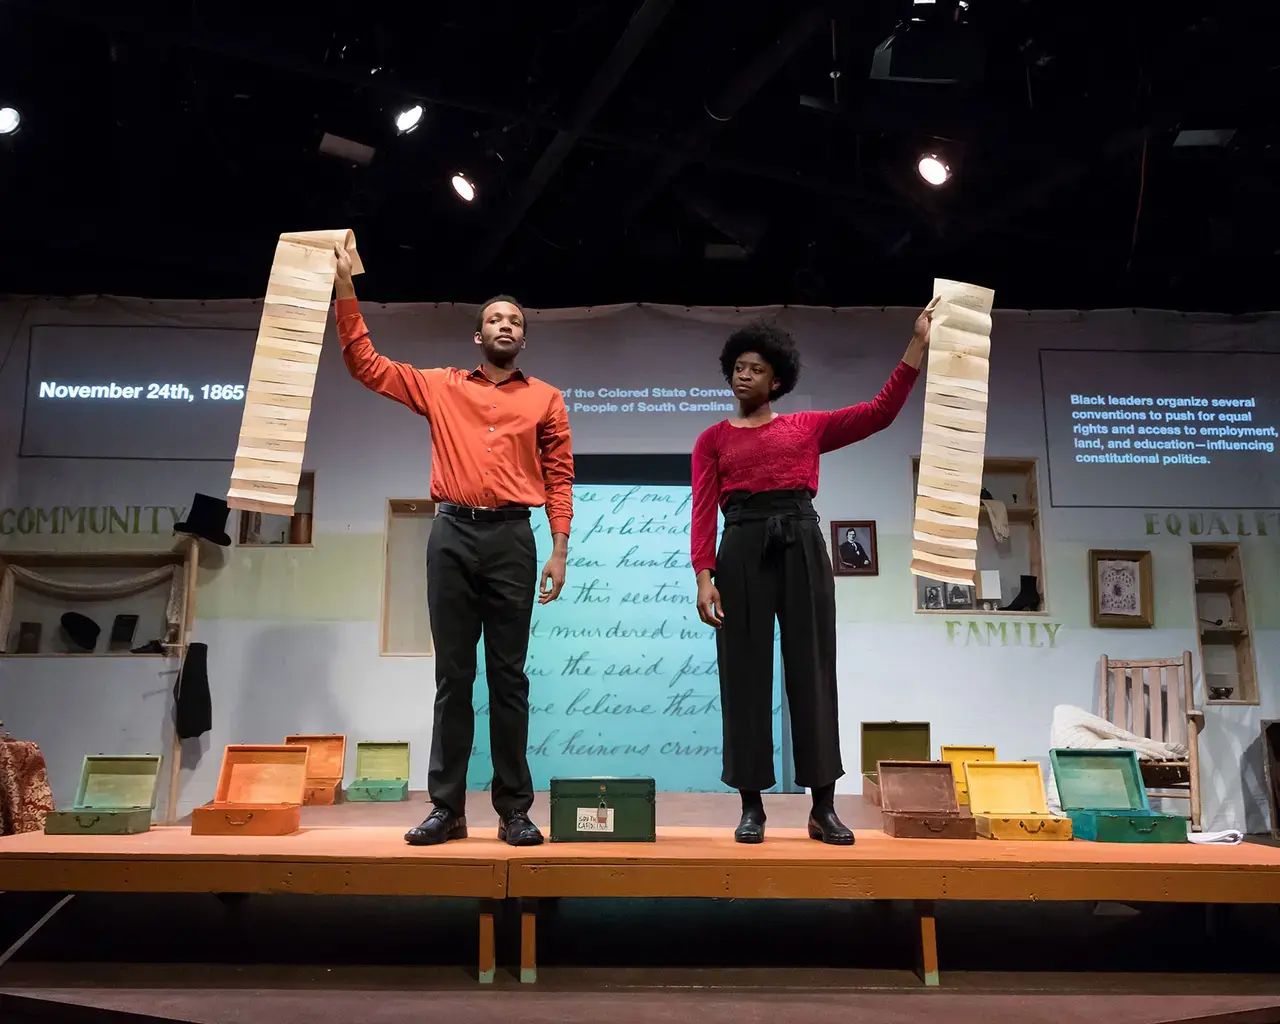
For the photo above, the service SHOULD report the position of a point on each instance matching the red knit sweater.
(781, 455)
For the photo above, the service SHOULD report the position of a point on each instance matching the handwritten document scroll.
(949, 487)
(282, 378)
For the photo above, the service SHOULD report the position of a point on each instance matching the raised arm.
(842, 427)
(400, 381)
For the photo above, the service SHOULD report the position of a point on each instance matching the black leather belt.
(483, 515)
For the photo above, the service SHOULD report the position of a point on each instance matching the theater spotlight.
(10, 119)
(408, 120)
(933, 169)
(463, 186)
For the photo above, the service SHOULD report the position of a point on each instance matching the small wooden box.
(958, 756)
(382, 772)
(603, 810)
(919, 801)
(1008, 801)
(115, 797)
(890, 741)
(1103, 793)
(326, 757)
(260, 791)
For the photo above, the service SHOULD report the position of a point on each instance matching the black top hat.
(82, 630)
(207, 519)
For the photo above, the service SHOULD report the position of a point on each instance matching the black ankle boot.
(1028, 599)
(824, 823)
(751, 827)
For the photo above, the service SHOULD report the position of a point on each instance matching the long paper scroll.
(949, 487)
(282, 378)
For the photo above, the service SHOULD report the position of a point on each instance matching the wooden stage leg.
(528, 941)
(488, 955)
(928, 968)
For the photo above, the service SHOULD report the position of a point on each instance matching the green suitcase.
(382, 773)
(603, 810)
(1103, 794)
(116, 796)
(890, 741)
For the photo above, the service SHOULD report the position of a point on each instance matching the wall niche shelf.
(146, 608)
(1013, 482)
(265, 530)
(1222, 620)
(406, 624)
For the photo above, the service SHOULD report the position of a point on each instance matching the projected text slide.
(135, 392)
(1162, 429)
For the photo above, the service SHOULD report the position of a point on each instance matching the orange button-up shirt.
(491, 444)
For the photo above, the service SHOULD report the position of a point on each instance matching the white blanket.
(1076, 728)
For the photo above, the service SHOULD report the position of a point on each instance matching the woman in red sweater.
(761, 469)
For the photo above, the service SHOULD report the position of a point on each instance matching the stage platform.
(367, 859)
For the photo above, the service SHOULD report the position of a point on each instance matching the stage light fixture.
(463, 186)
(933, 169)
(10, 120)
(408, 120)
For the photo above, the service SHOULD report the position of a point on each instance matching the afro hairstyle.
(774, 345)
(484, 308)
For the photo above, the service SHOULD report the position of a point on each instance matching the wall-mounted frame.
(1121, 590)
(406, 622)
(853, 548)
(1009, 547)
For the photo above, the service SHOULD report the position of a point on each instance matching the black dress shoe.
(517, 830)
(824, 824)
(751, 828)
(441, 826)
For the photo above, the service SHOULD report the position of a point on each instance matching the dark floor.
(280, 959)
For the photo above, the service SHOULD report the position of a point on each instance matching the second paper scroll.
(944, 536)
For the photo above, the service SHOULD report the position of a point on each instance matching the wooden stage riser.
(829, 881)
(474, 880)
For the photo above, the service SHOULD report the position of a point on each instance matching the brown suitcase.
(919, 801)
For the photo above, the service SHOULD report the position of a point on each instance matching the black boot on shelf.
(751, 828)
(1028, 599)
(824, 823)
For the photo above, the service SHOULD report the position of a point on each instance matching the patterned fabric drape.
(72, 591)
(25, 797)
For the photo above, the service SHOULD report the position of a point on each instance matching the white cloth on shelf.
(997, 517)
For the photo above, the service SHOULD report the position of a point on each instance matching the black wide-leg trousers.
(773, 562)
(481, 578)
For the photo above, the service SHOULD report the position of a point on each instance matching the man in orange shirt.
(500, 446)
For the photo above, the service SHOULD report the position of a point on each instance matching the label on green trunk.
(595, 819)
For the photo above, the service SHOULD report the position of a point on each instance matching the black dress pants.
(773, 562)
(481, 578)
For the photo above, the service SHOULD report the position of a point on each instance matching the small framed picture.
(1121, 590)
(853, 548)
(959, 596)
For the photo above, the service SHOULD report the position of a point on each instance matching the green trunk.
(368, 790)
(1128, 826)
(95, 822)
(603, 810)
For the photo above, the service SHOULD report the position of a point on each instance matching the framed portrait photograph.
(959, 596)
(1121, 590)
(853, 548)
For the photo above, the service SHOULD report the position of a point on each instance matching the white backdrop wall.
(294, 633)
